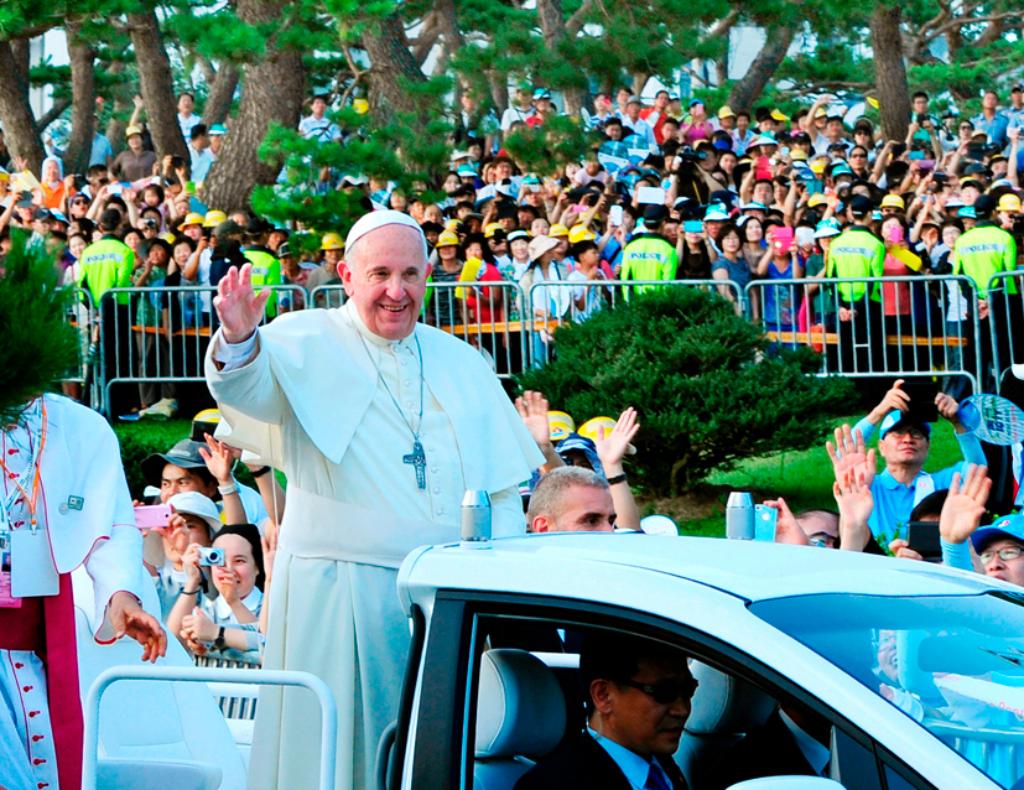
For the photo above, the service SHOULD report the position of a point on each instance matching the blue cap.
(967, 211)
(218, 130)
(716, 213)
(722, 145)
(828, 227)
(466, 171)
(897, 418)
(841, 169)
(1011, 527)
(541, 93)
(586, 446)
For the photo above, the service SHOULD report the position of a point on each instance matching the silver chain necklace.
(417, 458)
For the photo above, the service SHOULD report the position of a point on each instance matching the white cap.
(378, 219)
(195, 504)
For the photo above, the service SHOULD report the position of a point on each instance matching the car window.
(528, 666)
(952, 664)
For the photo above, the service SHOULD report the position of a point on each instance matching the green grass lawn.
(803, 479)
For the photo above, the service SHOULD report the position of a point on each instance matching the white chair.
(520, 717)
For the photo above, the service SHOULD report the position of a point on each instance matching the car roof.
(747, 569)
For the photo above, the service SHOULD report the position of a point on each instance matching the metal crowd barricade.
(554, 303)
(81, 314)
(160, 334)
(487, 315)
(327, 296)
(1005, 324)
(874, 326)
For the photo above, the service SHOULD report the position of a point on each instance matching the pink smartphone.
(152, 516)
(782, 238)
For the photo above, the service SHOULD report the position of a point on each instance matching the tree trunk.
(218, 102)
(391, 66)
(890, 72)
(156, 85)
(19, 125)
(498, 82)
(745, 92)
(451, 36)
(22, 57)
(272, 91)
(83, 101)
(122, 109)
(553, 30)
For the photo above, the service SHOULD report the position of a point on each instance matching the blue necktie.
(656, 779)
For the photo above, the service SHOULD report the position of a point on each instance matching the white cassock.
(310, 402)
(85, 516)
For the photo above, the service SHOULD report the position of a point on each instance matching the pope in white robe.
(341, 400)
(64, 502)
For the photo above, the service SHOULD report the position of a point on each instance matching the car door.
(443, 716)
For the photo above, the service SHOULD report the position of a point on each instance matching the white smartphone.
(615, 215)
(651, 195)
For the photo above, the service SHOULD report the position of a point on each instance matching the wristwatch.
(218, 643)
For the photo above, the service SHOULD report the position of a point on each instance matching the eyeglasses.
(665, 692)
(1005, 555)
(858, 156)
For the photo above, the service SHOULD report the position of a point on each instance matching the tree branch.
(959, 22)
(723, 25)
(55, 111)
(575, 22)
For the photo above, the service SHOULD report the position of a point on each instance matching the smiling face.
(385, 275)
(239, 564)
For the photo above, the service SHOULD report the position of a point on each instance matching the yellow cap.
(818, 166)
(132, 130)
(798, 155)
(1009, 202)
(893, 201)
(560, 425)
(192, 218)
(213, 218)
(452, 225)
(591, 429)
(558, 230)
(779, 115)
(821, 112)
(361, 106)
(726, 112)
(207, 415)
(873, 102)
(332, 241)
(491, 228)
(817, 199)
(448, 238)
(578, 233)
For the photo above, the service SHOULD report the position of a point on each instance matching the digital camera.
(211, 556)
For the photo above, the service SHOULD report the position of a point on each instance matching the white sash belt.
(318, 527)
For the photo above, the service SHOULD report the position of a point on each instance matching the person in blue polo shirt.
(904, 441)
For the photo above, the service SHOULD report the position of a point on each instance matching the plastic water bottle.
(476, 518)
(739, 516)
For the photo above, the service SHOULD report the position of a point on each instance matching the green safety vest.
(266, 270)
(649, 256)
(983, 251)
(106, 264)
(856, 252)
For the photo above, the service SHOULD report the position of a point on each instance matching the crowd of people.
(665, 192)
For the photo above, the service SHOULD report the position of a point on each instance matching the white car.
(914, 668)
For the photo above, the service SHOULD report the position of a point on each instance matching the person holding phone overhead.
(903, 419)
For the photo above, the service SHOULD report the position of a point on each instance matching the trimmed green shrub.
(708, 391)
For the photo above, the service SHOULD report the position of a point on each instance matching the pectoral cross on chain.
(419, 461)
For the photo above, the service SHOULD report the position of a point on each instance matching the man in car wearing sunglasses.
(638, 699)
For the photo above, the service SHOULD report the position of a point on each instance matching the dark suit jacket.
(581, 763)
(770, 750)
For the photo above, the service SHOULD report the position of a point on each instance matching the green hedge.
(140, 439)
(708, 391)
